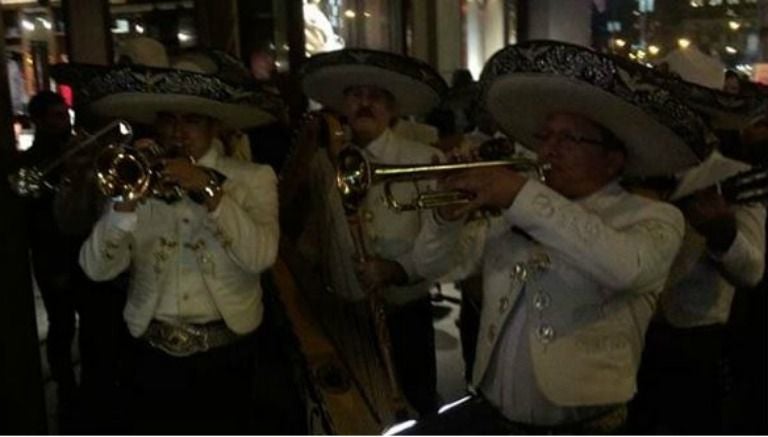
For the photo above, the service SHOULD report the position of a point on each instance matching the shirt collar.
(210, 157)
(603, 197)
(378, 147)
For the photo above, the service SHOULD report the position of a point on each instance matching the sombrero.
(522, 85)
(416, 86)
(723, 110)
(138, 92)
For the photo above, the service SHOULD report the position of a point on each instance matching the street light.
(620, 42)
(734, 25)
(653, 50)
(730, 50)
(683, 43)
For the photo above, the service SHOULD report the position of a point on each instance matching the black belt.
(610, 422)
(186, 339)
(477, 416)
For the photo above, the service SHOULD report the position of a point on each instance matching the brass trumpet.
(355, 174)
(123, 173)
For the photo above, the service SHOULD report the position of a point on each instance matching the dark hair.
(730, 74)
(461, 78)
(42, 102)
(444, 120)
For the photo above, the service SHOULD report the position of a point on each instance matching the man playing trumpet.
(572, 269)
(194, 302)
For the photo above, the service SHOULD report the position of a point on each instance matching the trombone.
(32, 181)
(123, 172)
(355, 174)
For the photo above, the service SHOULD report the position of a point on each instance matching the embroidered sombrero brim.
(724, 110)
(138, 93)
(524, 84)
(416, 86)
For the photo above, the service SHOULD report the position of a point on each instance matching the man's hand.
(492, 187)
(182, 172)
(377, 273)
(711, 216)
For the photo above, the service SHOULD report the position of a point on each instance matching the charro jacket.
(590, 270)
(181, 245)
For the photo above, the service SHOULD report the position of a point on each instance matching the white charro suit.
(189, 265)
(586, 275)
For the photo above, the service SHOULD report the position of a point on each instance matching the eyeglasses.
(564, 138)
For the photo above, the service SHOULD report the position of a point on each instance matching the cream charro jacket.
(386, 233)
(591, 271)
(231, 246)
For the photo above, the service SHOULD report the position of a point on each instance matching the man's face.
(580, 164)
(732, 85)
(55, 122)
(369, 111)
(192, 133)
(262, 65)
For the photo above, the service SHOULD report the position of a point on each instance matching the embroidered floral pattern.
(629, 82)
(94, 82)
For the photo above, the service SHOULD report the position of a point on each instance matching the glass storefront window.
(487, 28)
(335, 24)
(170, 22)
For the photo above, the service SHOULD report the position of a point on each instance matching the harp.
(338, 328)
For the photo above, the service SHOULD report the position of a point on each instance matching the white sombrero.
(416, 86)
(722, 110)
(522, 85)
(138, 92)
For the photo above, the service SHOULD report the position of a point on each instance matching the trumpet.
(355, 175)
(123, 173)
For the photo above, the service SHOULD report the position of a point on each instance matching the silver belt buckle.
(180, 341)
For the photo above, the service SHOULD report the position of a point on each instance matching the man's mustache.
(364, 112)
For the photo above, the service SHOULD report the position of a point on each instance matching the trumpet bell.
(123, 173)
(353, 177)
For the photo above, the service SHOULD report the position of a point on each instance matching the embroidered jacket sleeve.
(744, 262)
(246, 220)
(632, 257)
(107, 251)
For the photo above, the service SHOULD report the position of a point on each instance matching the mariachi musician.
(684, 374)
(203, 355)
(371, 90)
(572, 270)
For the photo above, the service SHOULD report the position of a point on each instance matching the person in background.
(733, 83)
(75, 305)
